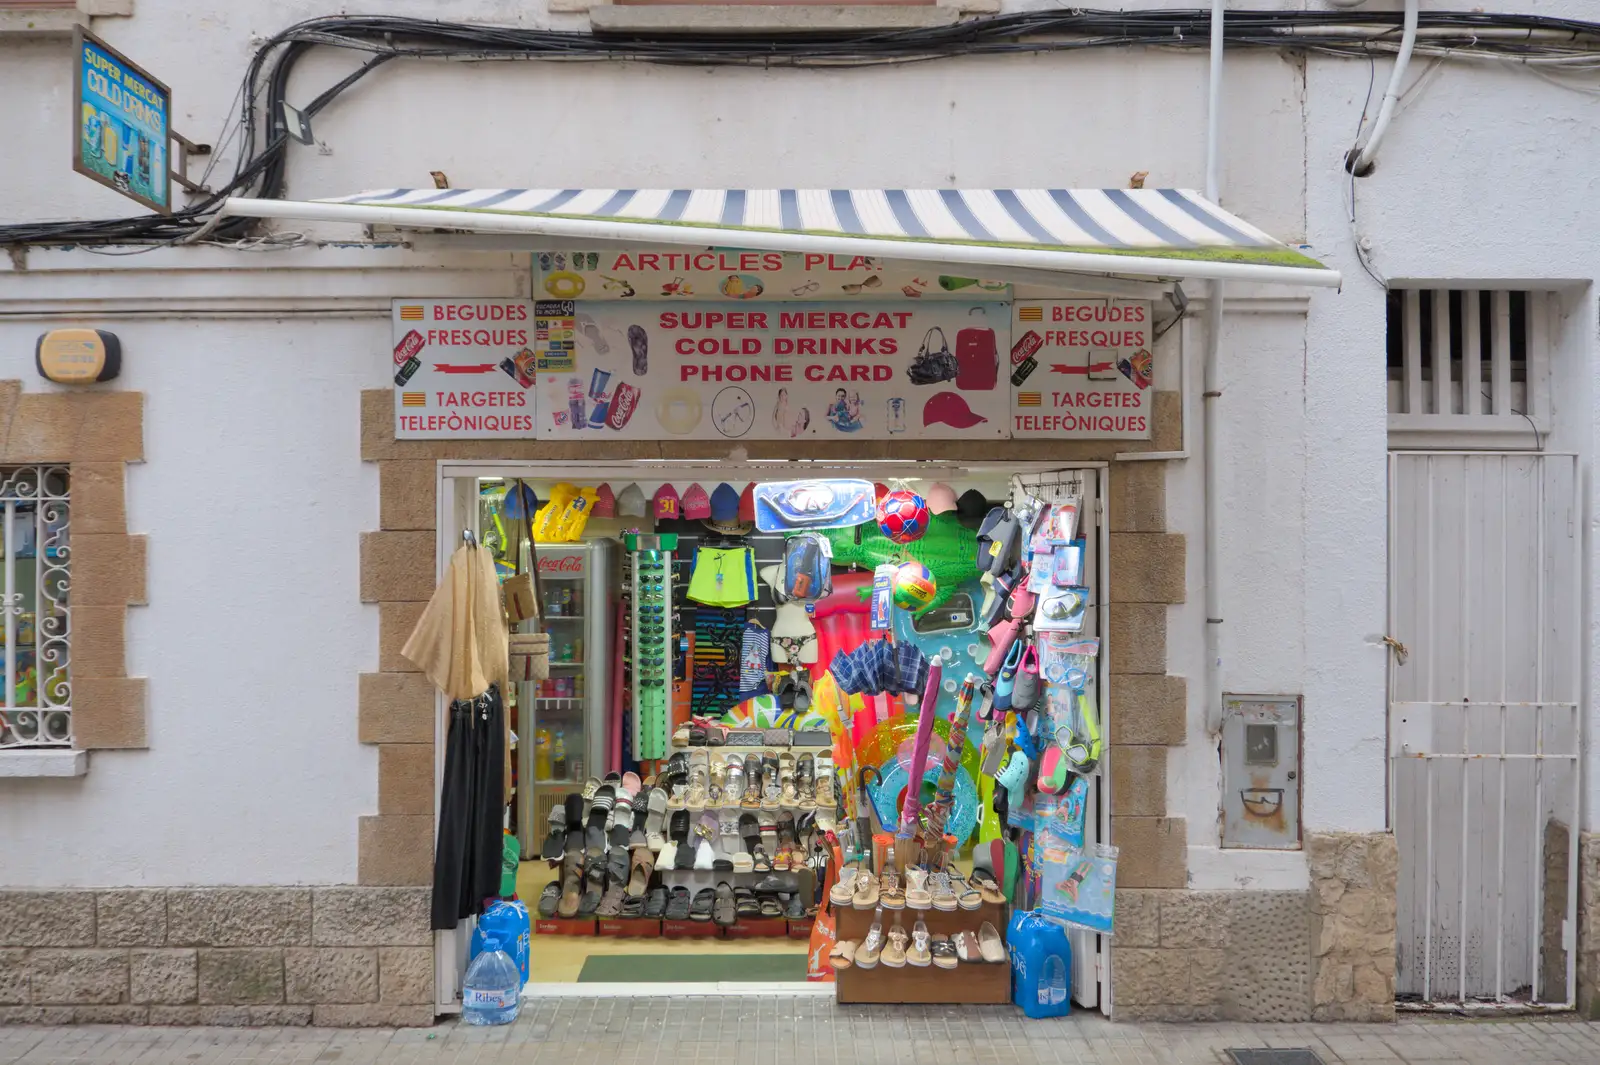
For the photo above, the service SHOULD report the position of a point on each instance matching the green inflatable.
(949, 550)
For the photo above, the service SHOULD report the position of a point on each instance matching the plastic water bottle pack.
(492, 993)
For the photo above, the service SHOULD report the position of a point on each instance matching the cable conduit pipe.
(1211, 393)
(1359, 161)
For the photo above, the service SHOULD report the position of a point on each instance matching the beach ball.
(903, 516)
(914, 586)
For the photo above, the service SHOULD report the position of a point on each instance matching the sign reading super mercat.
(124, 124)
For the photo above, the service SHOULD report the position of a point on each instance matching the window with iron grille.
(35, 585)
(1469, 360)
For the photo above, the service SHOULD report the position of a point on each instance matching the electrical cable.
(1535, 42)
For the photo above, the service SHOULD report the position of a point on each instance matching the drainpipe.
(1211, 393)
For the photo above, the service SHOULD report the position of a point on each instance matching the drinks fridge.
(564, 722)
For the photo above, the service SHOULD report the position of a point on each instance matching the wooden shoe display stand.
(656, 928)
(966, 983)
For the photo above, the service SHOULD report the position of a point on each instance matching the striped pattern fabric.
(1172, 223)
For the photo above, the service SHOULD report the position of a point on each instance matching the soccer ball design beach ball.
(903, 516)
(914, 586)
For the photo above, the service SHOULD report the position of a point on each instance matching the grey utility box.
(1261, 771)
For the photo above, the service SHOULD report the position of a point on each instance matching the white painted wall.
(254, 636)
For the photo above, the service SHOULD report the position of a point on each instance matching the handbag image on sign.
(977, 360)
(934, 363)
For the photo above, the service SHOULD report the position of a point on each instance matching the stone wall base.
(1354, 879)
(335, 956)
(1182, 955)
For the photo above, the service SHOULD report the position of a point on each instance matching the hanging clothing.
(460, 640)
(466, 867)
(723, 576)
(755, 660)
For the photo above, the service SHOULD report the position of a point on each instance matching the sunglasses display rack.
(647, 597)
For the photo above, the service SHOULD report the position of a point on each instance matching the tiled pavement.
(806, 1031)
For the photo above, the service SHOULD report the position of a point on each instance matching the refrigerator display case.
(564, 721)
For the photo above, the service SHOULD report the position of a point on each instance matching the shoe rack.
(976, 982)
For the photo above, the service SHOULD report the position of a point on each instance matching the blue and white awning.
(1167, 233)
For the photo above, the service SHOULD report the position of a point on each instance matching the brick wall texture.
(338, 956)
(1589, 925)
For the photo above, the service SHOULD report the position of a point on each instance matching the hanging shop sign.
(1081, 369)
(463, 369)
(797, 370)
(731, 274)
(123, 119)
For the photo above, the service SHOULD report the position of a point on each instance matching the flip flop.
(599, 812)
(642, 865)
(620, 824)
(656, 819)
(987, 886)
(617, 865)
(571, 887)
(573, 837)
(555, 839)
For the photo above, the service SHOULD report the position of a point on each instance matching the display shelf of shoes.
(966, 983)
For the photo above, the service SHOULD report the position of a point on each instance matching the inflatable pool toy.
(565, 285)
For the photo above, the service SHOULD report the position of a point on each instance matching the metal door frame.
(1408, 724)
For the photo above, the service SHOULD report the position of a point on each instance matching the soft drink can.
(405, 372)
(410, 346)
(597, 384)
(575, 403)
(1026, 346)
(1024, 371)
(623, 404)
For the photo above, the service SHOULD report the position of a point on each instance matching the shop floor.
(720, 967)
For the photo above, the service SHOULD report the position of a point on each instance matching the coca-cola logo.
(565, 564)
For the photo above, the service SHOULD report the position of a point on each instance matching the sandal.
(771, 790)
(655, 904)
(785, 857)
(806, 780)
(918, 897)
(943, 951)
(599, 813)
(678, 904)
(591, 788)
(843, 954)
(988, 887)
(844, 890)
(549, 900)
(866, 896)
(771, 907)
(745, 903)
(555, 838)
(644, 864)
(752, 783)
(920, 954)
(967, 896)
(871, 948)
(825, 798)
(611, 904)
(593, 891)
(619, 826)
(796, 909)
(891, 895)
(723, 909)
(759, 862)
(894, 953)
(944, 896)
(656, 820)
(733, 791)
(574, 842)
(788, 791)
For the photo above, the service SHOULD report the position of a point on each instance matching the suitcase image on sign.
(977, 360)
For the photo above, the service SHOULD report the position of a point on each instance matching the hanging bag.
(933, 365)
(524, 602)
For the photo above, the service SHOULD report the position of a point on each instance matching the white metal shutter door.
(1090, 953)
(1485, 597)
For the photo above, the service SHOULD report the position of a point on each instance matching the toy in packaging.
(1079, 886)
(1066, 565)
(783, 506)
(1041, 965)
(1062, 525)
(1061, 609)
(1060, 818)
(882, 595)
(807, 567)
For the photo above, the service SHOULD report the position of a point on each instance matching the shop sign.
(730, 274)
(806, 371)
(1081, 369)
(123, 120)
(463, 369)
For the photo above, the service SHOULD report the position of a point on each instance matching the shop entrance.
(668, 580)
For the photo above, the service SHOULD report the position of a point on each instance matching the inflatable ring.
(678, 411)
(564, 285)
(892, 777)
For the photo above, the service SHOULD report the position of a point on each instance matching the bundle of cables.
(1554, 47)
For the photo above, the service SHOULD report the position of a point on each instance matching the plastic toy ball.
(903, 516)
(914, 586)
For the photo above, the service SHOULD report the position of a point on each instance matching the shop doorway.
(1485, 575)
(573, 726)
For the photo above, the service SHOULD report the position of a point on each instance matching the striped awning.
(1167, 233)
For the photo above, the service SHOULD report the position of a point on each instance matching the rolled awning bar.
(1126, 262)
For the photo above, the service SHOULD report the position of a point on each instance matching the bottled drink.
(541, 754)
(576, 402)
(558, 756)
(492, 993)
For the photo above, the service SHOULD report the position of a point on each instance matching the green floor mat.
(691, 968)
